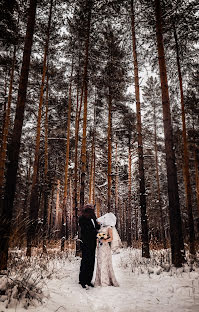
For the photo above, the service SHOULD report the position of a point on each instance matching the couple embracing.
(100, 232)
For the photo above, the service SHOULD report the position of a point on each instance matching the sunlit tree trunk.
(6, 209)
(177, 244)
(33, 202)
(187, 181)
(98, 208)
(144, 221)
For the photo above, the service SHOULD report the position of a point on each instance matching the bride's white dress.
(104, 269)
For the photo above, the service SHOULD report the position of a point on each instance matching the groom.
(89, 227)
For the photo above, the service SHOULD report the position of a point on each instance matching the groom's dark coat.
(88, 237)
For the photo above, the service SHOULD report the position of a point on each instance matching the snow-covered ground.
(145, 285)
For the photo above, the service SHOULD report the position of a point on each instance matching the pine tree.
(33, 198)
(145, 240)
(13, 147)
(174, 207)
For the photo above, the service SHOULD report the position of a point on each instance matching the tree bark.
(33, 214)
(196, 175)
(45, 212)
(57, 205)
(187, 182)
(92, 167)
(85, 88)
(116, 185)
(6, 126)
(177, 244)
(109, 151)
(144, 222)
(75, 201)
(64, 206)
(158, 177)
(14, 146)
(129, 227)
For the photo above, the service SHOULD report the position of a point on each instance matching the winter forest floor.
(50, 284)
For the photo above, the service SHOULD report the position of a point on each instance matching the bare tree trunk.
(187, 182)
(33, 202)
(45, 212)
(121, 218)
(92, 170)
(158, 178)
(75, 201)
(4, 106)
(13, 148)
(177, 244)
(64, 206)
(144, 222)
(110, 152)
(6, 126)
(98, 208)
(116, 185)
(196, 175)
(85, 88)
(50, 216)
(57, 204)
(129, 227)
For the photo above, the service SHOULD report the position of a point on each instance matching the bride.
(107, 236)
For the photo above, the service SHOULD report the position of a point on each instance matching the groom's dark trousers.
(88, 237)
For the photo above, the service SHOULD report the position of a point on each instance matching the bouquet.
(101, 236)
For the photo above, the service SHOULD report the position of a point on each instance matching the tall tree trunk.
(85, 88)
(98, 206)
(116, 185)
(70, 211)
(75, 202)
(196, 175)
(158, 178)
(75, 188)
(13, 148)
(45, 212)
(177, 244)
(57, 205)
(144, 222)
(109, 151)
(64, 206)
(187, 181)
(33, 203)
(129, 242)
(50, 216)
(94, 159)
(6, 126)
(92, 174)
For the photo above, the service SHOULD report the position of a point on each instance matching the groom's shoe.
(90, 284)
(83, 285)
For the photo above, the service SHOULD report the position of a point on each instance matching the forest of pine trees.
(99, 104)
